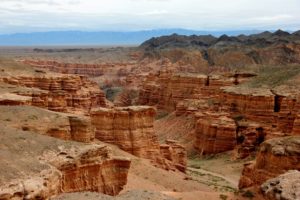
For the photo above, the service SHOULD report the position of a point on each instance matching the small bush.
(223, 196)
(248, 194)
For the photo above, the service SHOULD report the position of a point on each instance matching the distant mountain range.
(101, 37)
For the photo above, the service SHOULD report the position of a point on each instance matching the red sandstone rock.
(275, 157)
(249, 137)
(60, 93)
(215, 133)
(176, 153)
(130, 128)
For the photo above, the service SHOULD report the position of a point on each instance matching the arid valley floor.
(178, 117)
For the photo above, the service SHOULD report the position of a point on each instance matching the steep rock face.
(283, 187)
(130, 128)
(254, 103)
(167, 90)
(92, 170)
(175, 153)
(276, 156)
(60, 93)
(296, 126)
(249, 136)
(55, 167)
(215, 133)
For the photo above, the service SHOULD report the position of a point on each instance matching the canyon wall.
(166, 89)
(54, 166)
(275, 157)
(175, 153)
(62, 93)
(132, 130)
(215, 133)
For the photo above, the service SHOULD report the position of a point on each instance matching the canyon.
(186, 117)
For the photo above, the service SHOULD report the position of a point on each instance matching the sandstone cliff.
(63, 93)
(53, 167)
(275, 157)
(132, 129)
(215, 133)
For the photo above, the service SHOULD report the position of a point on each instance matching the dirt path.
(233, 182)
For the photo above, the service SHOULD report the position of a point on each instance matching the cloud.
(33, 15)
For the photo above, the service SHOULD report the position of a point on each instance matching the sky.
(131, 15)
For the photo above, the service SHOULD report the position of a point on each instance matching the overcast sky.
(92, 15)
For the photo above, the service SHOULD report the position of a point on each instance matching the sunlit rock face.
(275, 157)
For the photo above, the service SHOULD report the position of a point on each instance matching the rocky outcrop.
(175, 153)
(283, 187)
(249, 136)
(167, 89)
(59, 125)
(254, 103)
(92, 169)
(53, 167)
(296, 126)
(275, 157)
(55, 92)
(215, 133)
(130, 128)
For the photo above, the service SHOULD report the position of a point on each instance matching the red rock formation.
(296, 126)
(275, 157)
(215, 133)
(57, 92)
(249, 137)
(254, 103)
(175, 153)
(88, 168)
(131, 128)
(166, 90)
(283, 187)
(92, 170)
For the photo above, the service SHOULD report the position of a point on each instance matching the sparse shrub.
(248, 194)
(238, 117)
(223, 196)
(161, 115)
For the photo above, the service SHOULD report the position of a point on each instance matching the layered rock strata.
(167, 90)
(249, 136)
(175, 153)
(275, 157)
(55, 167)
(60, 93)
(130, 128)
(215, 133)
